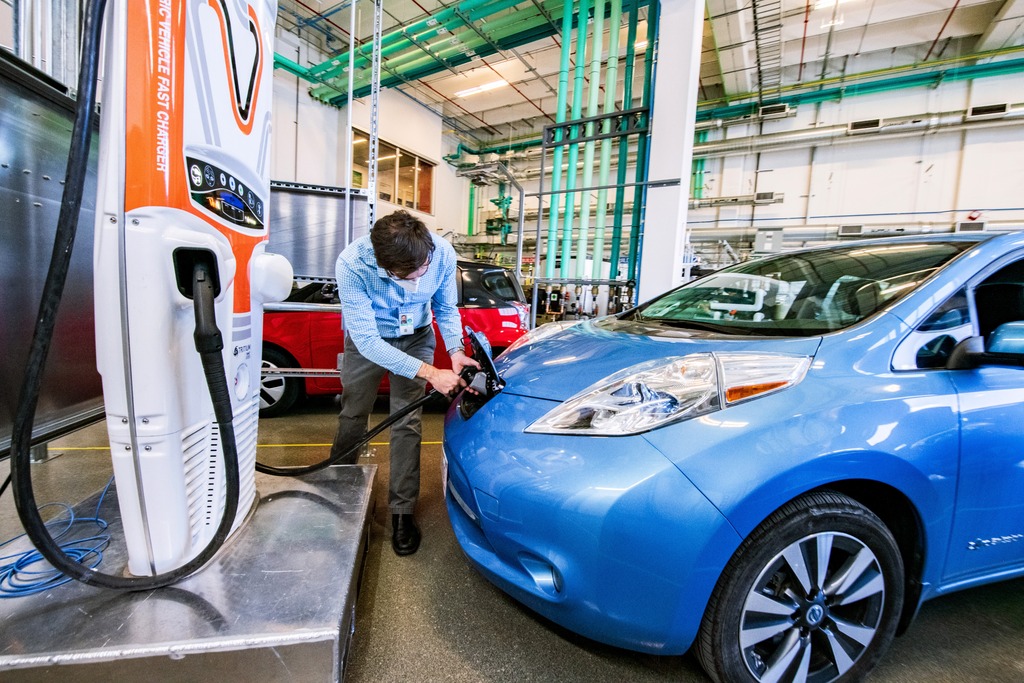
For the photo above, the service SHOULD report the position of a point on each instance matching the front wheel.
(277, 394)
(813, 594)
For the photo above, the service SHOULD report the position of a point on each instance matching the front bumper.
(604, 536)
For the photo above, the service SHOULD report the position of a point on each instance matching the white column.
(674, 112)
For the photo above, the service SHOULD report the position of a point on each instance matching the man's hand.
(444, 381)
(460, 361)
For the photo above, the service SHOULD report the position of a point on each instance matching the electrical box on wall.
(768, 240)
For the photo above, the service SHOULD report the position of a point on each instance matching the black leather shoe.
(405, 535)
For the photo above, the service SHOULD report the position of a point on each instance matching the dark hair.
(401, 243)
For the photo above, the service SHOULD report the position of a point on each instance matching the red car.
(490, 301)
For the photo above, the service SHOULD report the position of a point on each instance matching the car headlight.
(656, 393)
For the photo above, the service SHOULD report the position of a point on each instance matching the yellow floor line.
(262, 445)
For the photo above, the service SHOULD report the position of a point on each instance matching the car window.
(488, 287)
(930, 345)
(314, 293)
(498, 283)
(1000, 298)
(803, 293)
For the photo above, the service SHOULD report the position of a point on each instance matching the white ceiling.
(798, 44)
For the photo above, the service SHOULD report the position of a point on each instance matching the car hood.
(562, 365)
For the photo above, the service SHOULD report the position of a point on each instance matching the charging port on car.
(485, 382)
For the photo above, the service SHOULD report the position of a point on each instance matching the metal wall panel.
(307, 225)
(35, 134)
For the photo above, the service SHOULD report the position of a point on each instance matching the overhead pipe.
(849, 80)
(405, 52)
(610, 90)
(803, 41)
(717, 117)
(942, 30)
(588, 149)
(574, 148)
(398, 39)
(462, 148)
(642, 147)
(404, 47)
(837, 135)
(627, 102)
(468, 46)
(924, 79)
(559, 151)
(905, 126)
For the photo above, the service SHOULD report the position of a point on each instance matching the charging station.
(184, 159)
(181, 274)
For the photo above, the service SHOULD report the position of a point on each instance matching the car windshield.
(801, 294)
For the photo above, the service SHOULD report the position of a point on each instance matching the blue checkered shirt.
(371, 303)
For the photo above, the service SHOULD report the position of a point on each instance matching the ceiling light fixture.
(481, 88)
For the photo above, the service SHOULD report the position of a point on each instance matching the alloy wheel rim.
(271, 388)
(813, 610)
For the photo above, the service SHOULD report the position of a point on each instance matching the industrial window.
(402, 177)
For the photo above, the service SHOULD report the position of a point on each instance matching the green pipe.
(282, 62)
(610, 88)
(697, 175)
(930, 79)
(620, 190)
(851, 79)
(953, 74)
(472, 209)
(574, 148)
(499, 149)
(641, 155)
(515, 29)
(398, 39)
(449, 22)
(588, 149)
(559, 152)
(413, 63)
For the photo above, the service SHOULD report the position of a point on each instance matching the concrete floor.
(431, 617)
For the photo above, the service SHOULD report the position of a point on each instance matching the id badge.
(405, 325)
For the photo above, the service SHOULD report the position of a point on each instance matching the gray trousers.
(360, 379)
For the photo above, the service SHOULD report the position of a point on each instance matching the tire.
(278, 394)
(769, 619)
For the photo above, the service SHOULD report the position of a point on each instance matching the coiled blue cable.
(19, 576)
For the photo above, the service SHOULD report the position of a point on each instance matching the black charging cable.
(323, 464)
(480, 382)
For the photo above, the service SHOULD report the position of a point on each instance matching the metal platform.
(276, 604)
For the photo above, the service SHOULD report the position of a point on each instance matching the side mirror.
(1005, 347)
(1007, 338)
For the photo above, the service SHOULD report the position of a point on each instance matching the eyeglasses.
(414, 274)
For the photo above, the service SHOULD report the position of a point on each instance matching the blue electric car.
(775, 464)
